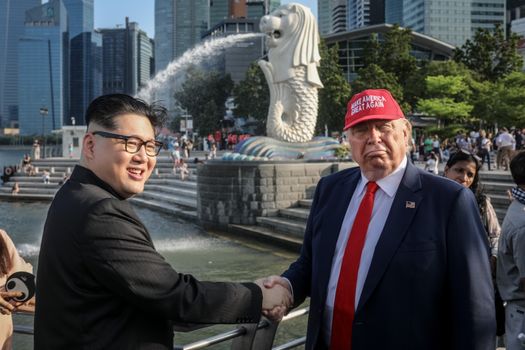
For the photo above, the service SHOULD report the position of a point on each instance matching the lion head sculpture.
(292, 38)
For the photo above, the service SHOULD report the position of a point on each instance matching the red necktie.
(344, 307)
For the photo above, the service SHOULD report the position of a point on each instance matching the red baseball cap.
(372, 104)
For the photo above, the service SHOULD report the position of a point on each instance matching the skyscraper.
(394, 11)
(179, 25)
(338, 19)
(81, 16)
(451, 21)
(324, 13)
(127, 59)
(362, 13)
(42, 69)
(85, 58)
(12, 17)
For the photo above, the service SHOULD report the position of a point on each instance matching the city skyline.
(110, 14)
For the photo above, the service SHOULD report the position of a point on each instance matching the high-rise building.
(336, 16)
(127, 59)
(237, 59)
(338, 19)
(450, 21)
(179, 25)
(515, 10)
(324, 16)
(394, 11)
(516, 22)
(362, 13)
(12, 18)
(265, 7)
(221, 10)
(85, 58)
(81, 16)
(43, 69)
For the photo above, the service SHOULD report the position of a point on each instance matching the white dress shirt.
(383, 200)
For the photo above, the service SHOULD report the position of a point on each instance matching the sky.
(110, 13)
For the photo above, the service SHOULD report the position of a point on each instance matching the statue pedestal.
(230, 192)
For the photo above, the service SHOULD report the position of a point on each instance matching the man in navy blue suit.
(393, 257)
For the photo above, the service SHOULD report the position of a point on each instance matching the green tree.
(336, 92)
(448, 98)
(373, 77)
(392, 54)
(503, 101)
(416, 86)
(203, 95)
(252, 95)
(490, 54)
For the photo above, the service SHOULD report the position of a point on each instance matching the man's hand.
(7, 305)
(277, 297)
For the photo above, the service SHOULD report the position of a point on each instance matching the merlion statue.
(291, 72)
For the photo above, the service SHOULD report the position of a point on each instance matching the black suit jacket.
(102, 285)
(429, 284)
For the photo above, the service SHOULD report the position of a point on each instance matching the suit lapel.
(331, 227)
(404, 208)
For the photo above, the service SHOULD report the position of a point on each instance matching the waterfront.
(12, 155)
(184, 245)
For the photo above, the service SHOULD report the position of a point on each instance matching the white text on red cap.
(367, 102)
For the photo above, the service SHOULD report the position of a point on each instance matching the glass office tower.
(451, 21)
(85, 58)
(43, 69)
(127, 59)
(12, 17)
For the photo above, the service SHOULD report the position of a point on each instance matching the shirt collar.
(388, 184)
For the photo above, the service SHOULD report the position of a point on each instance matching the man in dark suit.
(101, 283)
(393, 257)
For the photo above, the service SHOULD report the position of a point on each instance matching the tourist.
(46, 176)
(10, 262)
(101, 283)
(506, 144)
(463, 167)
(31, 170)
(188, 148)
(15, 189)
(213, 150)
(511, 260)
(436, 148)
(175, 157)
(36, 150)
(26, 161)
(393, 257)
(431, 164)
(484, 148)
(183, 168)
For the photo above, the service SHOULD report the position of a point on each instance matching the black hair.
(517, 168)
(104, 109)
(463, 155)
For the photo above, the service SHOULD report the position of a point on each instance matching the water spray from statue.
(174, 74)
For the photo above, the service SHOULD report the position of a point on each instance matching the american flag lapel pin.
(410, 204)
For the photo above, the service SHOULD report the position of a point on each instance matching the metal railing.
(247, 336)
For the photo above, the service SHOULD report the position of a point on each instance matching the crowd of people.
(484, 144)
(394, 256)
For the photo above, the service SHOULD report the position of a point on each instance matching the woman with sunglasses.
(463, 167)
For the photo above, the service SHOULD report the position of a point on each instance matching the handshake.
(277, 297)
